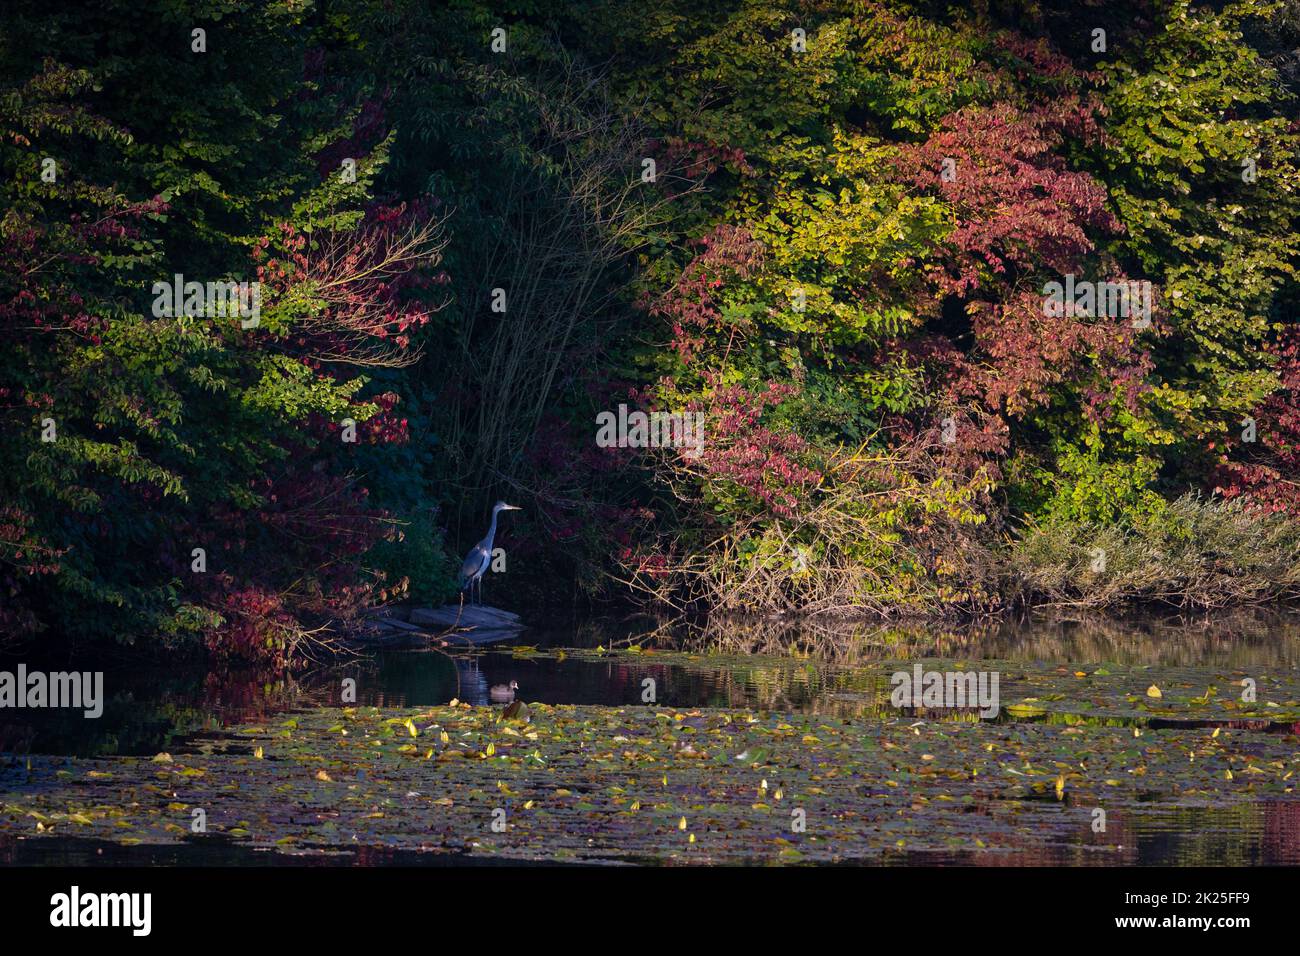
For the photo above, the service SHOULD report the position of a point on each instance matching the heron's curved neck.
(492, 531)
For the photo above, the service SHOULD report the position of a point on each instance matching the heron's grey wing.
(475, 563)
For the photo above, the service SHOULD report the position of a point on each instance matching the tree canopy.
(829, 228)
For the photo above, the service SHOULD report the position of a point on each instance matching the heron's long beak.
(512, 508)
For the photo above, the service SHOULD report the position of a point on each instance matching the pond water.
(823, 674)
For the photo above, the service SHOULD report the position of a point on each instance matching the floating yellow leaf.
(1026, 709)
(1154, 691)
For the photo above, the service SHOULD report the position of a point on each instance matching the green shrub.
(415, 563)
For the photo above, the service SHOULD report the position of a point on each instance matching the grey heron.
(480, 556)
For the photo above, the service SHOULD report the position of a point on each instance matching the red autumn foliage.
(696, 160)
(1021, 215)
(1268, 470)
(363, 282)
(692, 305)
(1020, 210)
(764, 462)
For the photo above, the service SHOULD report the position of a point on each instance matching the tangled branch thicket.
(882, 533)
(342, 289)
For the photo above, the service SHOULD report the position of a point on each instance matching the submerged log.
(396, 624)
(468, 624)
(453, 615)
(404, 627)
(382, 637)
(388, 612)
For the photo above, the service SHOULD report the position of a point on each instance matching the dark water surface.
(767, 667)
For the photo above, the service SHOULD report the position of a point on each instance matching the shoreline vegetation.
(1198, 554)
(845, 308)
